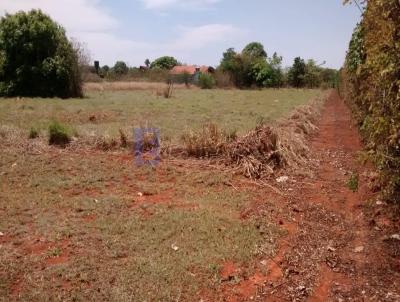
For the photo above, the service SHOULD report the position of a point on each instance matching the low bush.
(206, 81)
(59, 134)
(123, 138)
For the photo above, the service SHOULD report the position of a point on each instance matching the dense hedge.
(370, 84)
(36, 58)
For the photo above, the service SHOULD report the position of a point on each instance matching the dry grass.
(265, 150)
(256, 153)
(262, 151)
(208, 142)
(116, 86)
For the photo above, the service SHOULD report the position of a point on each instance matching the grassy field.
(103, 113)
(80, 225)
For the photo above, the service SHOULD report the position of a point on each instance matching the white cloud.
(164, 4)
(74, 15)
(90, 23)
(184, 46)
(108, 48)
(201, 36)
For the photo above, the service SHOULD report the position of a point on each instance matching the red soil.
(343, 272)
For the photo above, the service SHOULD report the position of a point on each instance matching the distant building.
(192, 71)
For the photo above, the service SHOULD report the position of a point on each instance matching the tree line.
(251, 67)
(37, 59)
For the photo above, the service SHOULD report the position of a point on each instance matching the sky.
(199, 31)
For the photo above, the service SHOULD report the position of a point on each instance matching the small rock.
(96, 201)
(264, 262)
(13, 165)
(282, 179)
(1, 234)
(359, 249)
(331, 249)
(140, 194)
(378, 203)
(395, 236)
(174, 247)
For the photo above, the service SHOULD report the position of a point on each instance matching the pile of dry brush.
(262, 151)
(258, 154)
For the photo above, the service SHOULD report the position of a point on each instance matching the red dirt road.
(337, 247)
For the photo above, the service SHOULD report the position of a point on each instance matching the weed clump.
(123, 138)
(33, 133)
(352, 183)
(167, 92)
(59, 134)
(208, 142)
(106, 143)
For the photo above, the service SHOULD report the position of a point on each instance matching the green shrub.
(352, 183)
(120, 68)
(36, 58)
(33, 133)
(165, 62)
(206, 81)
(59, 134)
(370, 85)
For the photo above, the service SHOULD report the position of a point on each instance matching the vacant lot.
(83, 224)
(103, 113)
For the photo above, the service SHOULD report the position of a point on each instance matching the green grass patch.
(59, 134)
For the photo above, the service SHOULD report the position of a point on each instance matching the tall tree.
(312, 78)
(120, 68)
(36, 58)
(255, 50)
(165, 62)
(297, 73)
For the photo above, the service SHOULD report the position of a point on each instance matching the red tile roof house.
(192, 71)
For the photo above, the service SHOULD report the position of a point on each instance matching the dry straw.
(261, 152)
